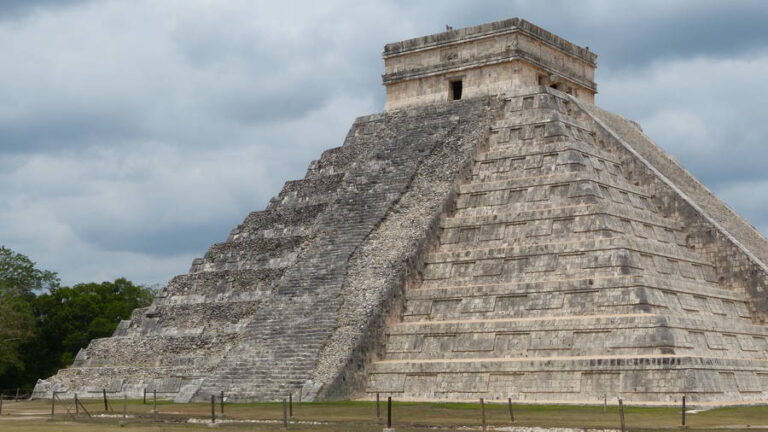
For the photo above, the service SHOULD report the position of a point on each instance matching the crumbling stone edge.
(349, 381)
(737, 265)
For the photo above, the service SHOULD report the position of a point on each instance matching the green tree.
(43, 325)
(70, 317)
(19, 281)
(19, 276)
(17, 325)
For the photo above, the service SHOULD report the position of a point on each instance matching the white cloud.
(136, 134)
(748, 198)
(708, 113)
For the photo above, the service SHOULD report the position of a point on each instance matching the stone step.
(193, 319)
(599, 252)
(665, 294)
(515, 133)
(517, 150)
(577, 323)
(277, 222)
(542, 364)
(267, 219)
(580, 183)
(557, 298)
(658, 378)
(219, 286)
(537, 127)
(526, 234)
(251, 254)
(537, 305)
(307, 191)
(526, 169)
(169, 350)
(607, 208)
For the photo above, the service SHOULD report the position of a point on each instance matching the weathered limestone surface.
(490, 59)
(503, 238)
(572, 269)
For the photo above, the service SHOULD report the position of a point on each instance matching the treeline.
(43, 324)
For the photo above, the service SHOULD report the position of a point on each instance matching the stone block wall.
(564, 275)
(489, 59)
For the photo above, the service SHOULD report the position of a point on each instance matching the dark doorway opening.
(456, 88)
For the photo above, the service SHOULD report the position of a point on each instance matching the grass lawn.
(360, 416)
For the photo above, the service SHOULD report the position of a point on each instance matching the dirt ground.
(359, 416)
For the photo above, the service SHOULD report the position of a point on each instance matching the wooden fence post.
(683, 410)
(482, 413)
(511, 413)
(285, 414)
(79, 406)
(213, 409)
(621, 414)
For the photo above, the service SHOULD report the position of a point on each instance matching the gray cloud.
(144, 131)
(625, 35)
(165, 239)
(15, 9)
(64, 129)
(706, 112)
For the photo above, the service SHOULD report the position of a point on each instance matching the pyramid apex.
(501, 57)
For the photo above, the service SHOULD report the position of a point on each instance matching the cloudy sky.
(135, 133)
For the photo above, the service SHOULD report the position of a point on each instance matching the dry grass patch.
(359, 416)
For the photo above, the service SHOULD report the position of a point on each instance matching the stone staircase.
(198, 318)
(278, 351)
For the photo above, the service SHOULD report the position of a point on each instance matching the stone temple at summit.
(492, 233)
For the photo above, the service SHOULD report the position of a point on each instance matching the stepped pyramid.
(491, 234)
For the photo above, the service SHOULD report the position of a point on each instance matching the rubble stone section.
(561, 277)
